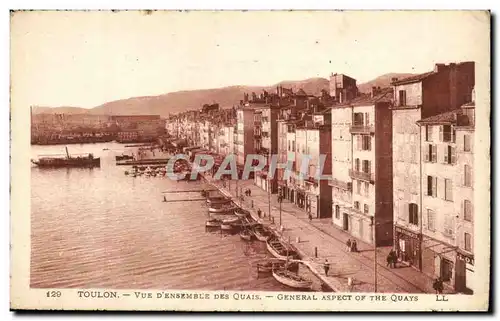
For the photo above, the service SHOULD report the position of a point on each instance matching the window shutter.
(367, 119)
(462, 209)
(434, 186)
(441, 133)
(434, 153)
(446, 154)
(453, 135)
(453, 155)
(427, 156)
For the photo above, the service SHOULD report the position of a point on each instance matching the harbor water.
(99, 228)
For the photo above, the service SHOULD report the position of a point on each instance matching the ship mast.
(67, 153)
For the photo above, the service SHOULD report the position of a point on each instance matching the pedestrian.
(326, 266)
(438, 285)
(310, 217)
(394, 258)
(259, 212)
(249, 192)
(389, 259)
(348, 245)
(354, 246)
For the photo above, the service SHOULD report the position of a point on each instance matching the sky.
(85, 59)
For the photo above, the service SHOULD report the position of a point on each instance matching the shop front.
(464, 273)
(408, 246)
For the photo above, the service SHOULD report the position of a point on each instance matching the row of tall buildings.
(399, 160)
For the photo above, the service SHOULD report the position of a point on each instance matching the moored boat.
(246, 235)
(213, 223)
(218, 200)
(280, 250)
(223, 209)
(267, 266)
(291, 279)
(261, 233)
(241, 213)
(226, 226)
(231, 220)
(57, 161)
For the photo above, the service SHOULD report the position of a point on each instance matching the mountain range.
(180, 101)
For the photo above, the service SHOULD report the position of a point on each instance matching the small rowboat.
(226, 227)
(241, 213)
(218, 200)
(246, 235)
(261, 233)
(223, 209)
(231, 220)
(213, 223)
(291, 279)
(279, 250)
(267, 266)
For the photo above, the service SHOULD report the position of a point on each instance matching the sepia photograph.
(250, 160)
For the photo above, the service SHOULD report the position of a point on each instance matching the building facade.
(445, 88)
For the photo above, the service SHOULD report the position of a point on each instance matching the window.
(366, 209)
(448, 226)
(467, 147)
(359, 143)
(467, 210)
(293, 145)
(366, 145)
(358, 119)
(448, 189)
(468, 242)
(428, 133)
(449, 155)
(366, 166)
(431, 186)
(356, 165)
(366, 188)
(288, 145)
(337, 212)
(467, 176)
(430, 153)
(356, 205)
(358, 187)
(445, 133)
(431, 220)
(413, 213)
(402, 98)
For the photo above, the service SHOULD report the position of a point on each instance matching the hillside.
(381, 81)
(193, 99)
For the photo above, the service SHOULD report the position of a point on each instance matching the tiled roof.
(385, 95)
(300, 92)
(412, 79)
(449, 117)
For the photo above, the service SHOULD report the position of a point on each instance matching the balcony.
(368, 177)
(340, 184)
(362, 129)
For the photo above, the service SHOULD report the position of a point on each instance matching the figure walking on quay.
(348, 245)
(438, 285)
(326, 266)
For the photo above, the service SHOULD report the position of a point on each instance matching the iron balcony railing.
(369, 177)
(362, 129)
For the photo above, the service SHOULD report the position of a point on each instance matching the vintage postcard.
(250, 160)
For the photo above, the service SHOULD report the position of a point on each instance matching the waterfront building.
(342, 88)
(362, 166)
(245, 134)
(445, 88)
(268, 128)
(447, 196)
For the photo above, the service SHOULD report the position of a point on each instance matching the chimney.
(394, 79)
(439, 67)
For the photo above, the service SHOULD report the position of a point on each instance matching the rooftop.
(384, 95)
(455, 117)
(412, 79)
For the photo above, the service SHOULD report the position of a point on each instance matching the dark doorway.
(345, 225)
